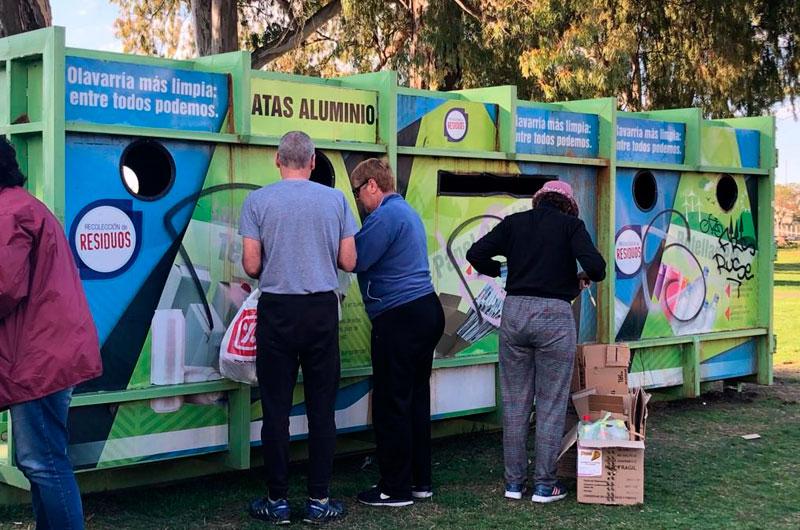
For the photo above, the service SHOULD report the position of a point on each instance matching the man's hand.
(583, 280)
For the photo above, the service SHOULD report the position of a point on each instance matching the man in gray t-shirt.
(300, 225)
(295, 234)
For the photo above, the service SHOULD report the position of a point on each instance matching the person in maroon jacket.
(48, 344)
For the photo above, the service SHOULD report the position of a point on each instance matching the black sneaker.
(421, 492)
(275, 512)
(374, 497)
(319, 511)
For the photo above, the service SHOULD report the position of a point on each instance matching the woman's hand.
(583, 280)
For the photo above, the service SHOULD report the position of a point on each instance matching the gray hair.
(295, 150)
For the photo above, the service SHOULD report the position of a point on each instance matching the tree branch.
(466, 8)
(269, 52)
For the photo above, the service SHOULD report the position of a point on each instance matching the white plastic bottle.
(167, 356)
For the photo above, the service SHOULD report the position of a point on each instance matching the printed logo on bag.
(628, 251)
(455, 124)
(105, 238)
(243, 337)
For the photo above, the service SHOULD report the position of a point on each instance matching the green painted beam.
(471, 360)
(238, 455)
(151, 132)
(693, 168)
(320, 144)
(719, 335)
(36, 127)
(451, 153)
(692, 353)
(154, 392)
(565, 160)
(53, 112)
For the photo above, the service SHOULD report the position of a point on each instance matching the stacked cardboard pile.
(608, 471)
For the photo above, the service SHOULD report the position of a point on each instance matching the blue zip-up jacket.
(392, 262)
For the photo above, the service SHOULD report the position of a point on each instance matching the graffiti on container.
(734, 255)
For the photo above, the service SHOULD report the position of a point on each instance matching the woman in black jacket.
(537, 330)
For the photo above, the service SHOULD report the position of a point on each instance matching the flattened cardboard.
(604, 367)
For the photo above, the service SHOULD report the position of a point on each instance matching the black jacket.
(541, 246)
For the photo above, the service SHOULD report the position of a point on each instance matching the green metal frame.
(32, 115)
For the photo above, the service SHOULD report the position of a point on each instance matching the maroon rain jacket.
(48, 341)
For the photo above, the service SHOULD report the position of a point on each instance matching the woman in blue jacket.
(407, 323)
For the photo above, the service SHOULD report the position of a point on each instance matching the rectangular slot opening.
(484, 184)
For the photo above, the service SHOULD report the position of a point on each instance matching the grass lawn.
(700, 473)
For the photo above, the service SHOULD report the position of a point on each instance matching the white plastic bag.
(237, 354)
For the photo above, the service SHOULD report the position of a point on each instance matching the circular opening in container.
(727, 192)
(147, 169)
(323, 170)
(645, 190)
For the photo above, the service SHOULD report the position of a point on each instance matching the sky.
(90, 24)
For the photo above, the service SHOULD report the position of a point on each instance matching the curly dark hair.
(556, 199)
(10, 174)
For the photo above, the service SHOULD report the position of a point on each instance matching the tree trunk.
(224, 26)
(271, 51)
(19, 16)
(416, 52)
(201, 12)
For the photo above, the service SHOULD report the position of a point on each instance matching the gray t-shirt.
(300, 224)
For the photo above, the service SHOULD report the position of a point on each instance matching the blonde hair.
(377, 170)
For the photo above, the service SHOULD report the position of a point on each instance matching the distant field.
(787, 310)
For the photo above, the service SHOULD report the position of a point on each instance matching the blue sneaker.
(543, 494)
(319, 511)
(514, 491)
(275, 512)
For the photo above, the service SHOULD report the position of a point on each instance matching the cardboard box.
(608, 471)
(604, 367)
(611, 472)
(567, 462)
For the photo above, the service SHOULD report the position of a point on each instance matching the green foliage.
(154, 27)
(737, 57)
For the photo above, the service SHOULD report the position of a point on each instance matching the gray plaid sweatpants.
(537, 352)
